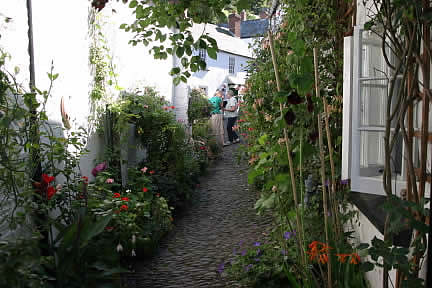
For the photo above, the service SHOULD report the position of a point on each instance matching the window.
(202, 54)
(370, 88)
(231, 65)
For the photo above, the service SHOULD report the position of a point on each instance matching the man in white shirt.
(231, 114)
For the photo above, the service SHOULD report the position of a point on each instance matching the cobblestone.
(221, 217)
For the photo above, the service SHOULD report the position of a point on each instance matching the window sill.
(371, 206)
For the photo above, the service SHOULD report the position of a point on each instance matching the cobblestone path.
(205, 235)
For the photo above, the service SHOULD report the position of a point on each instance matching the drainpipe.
(174, 62)
(30, 45)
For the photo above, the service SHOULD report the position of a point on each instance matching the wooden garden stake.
(290, 161)
(329, 143)
(324, 192)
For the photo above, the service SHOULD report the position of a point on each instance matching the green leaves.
(133, 4)
(212, 52)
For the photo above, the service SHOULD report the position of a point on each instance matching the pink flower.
(109, 181)
(145, 106)
(144, 169)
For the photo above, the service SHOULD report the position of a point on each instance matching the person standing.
(231, 113)
(217, 117)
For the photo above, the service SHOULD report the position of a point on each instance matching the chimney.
(234, 21)
(263, 14)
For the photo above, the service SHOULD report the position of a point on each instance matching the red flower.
(157, 195)
(116, 195)
(125, 199)
(109, 228)
(144, 189)
(152, 172)
(250, 129)
(123, 207)
(47, 179)
(202, 147)
(50, 192)
(85, 179)
(172, 107)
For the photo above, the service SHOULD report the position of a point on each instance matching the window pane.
(373, 63)
(371, 153)
(373, 97)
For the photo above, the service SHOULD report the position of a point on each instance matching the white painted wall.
(217, 71)
(213, 78)
(364, 232)
(133, 64)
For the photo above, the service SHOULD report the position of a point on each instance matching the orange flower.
(355, 258)
(323, 258)
(318, 251)
(342, 257)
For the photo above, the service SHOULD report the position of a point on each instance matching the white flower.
(119, 248)
(128, 191)
(133, 239)
(133, 253)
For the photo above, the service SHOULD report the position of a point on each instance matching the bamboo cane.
(290, 161)
(329, 144)
(322, 170)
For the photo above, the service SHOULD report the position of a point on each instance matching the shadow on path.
(205, 235)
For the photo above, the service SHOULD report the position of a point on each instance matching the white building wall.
(212, 78)
(134, 65)
(217, 71)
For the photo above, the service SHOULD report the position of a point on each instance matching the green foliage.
(167, 21)
(199, 106)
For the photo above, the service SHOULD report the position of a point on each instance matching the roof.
(253, 28)
(225, 39)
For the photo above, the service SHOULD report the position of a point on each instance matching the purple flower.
(257, 259)
(289, 235)
(248, 267)
(258, 252)
(221, 267)
(243, 252)
(234, 251)
(283, 252)
(344, 181)
(257, 244)
(241, 243)
(99, 168)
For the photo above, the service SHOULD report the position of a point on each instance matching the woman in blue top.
(216, 117)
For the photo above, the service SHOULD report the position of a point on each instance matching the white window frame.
(352, 114)
(231, 65)
(202, 53)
